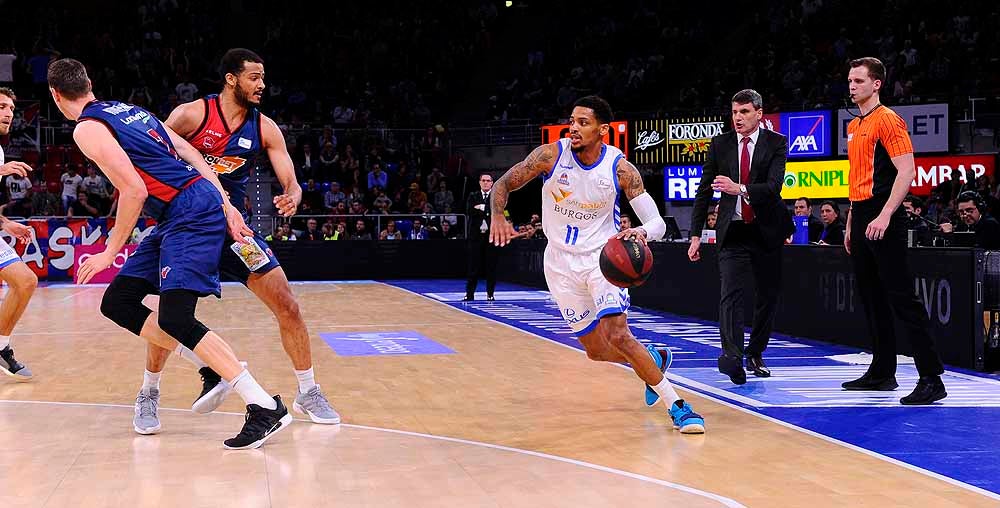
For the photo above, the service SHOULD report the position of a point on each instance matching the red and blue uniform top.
(232, 153)
(145, 141)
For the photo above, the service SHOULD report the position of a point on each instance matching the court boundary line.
(725, 501)
(717, 399)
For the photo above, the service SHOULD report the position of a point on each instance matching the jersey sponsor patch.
(225, 164)
(245, 143)
(562, 194)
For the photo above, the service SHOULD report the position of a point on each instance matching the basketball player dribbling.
(582, 178)
(13, 271)
(230, 133)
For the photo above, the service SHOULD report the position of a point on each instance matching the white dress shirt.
(738, 214)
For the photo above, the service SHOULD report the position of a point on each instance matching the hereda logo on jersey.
(224, 164)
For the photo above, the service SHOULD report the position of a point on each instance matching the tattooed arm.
(629, 179)
(652, 226)
(538, 162)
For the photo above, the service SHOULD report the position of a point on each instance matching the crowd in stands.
(795, 53)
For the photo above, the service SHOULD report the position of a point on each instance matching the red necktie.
(745, 178)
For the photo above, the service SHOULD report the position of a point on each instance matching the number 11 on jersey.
(572, 232)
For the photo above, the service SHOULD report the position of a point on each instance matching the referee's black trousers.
(885, 286)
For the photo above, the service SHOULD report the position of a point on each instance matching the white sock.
(189, 355)
(667, 393)
(4, 341)
(151, 380)
(252, 393)
(306, 380)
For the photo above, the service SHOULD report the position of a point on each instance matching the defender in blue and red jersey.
(230, 132)
(157, 170)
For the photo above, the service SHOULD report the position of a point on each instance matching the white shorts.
(7, 254)
(580, 290)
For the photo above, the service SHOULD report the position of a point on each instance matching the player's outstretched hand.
(633, 234)
(501, 232)
(18, 230)
(94, 265)
(286, 205)
(238, 228)
(15, 168)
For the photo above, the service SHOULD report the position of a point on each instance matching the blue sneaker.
(685, 419)
(663, 359)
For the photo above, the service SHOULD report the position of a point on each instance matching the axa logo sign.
(808, 133)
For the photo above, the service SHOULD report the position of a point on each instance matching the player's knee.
(122, 303)
(23, 281)
(287, 308)
(184, 328)
(177, 319)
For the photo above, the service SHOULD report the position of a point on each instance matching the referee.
(881, 159)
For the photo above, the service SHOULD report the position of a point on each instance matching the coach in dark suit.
(482, 254)
(748, 167)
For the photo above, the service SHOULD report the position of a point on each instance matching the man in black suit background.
(482, 254)
(748, 167)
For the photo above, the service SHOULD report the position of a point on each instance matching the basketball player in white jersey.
(582, 180)
(13, 271)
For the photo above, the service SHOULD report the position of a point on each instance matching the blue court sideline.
(956, 438)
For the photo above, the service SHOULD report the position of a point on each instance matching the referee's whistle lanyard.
(862, 117)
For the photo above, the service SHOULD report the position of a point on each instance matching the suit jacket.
(834, 233)
(767, 173)
(816, 228)
(477, 217)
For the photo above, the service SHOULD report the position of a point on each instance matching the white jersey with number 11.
(580, 202)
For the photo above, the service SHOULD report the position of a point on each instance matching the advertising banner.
(926, 123)
(688, 139)
(816, 180)
(51, 254)
(771, 122)
(680, 183)
(931, 171)
(808, 133)
(617, 135)
(649, 141)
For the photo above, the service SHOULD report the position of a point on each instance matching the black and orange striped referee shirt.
(872, 141)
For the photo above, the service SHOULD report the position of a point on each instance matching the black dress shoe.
(732, 366)
(469, 299)
(490, 298)
(755, 364)
(871, 384)
(929, 389)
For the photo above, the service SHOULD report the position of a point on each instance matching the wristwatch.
(743, 191)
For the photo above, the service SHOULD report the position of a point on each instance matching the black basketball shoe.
(260, 425)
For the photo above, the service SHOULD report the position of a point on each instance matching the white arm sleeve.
(649, 214)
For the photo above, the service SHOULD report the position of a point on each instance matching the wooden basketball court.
(509, 420)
